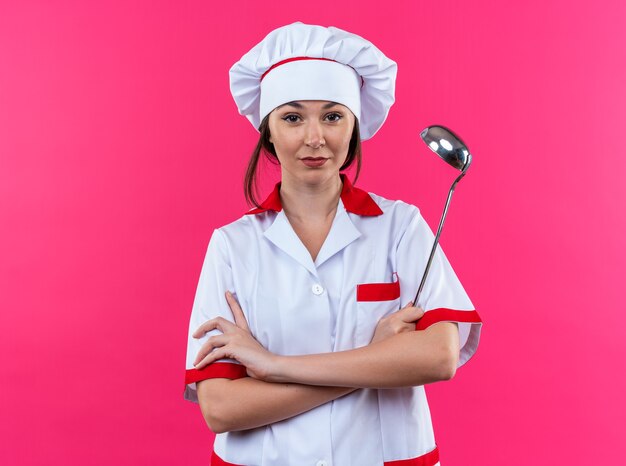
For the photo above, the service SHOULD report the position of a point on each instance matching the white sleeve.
(443, 298)
(210, 302)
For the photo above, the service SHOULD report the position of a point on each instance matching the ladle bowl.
(448, 146)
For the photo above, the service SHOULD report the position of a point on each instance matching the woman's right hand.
(400, 321)
(235, 342)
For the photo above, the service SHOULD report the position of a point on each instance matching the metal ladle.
(453, 151)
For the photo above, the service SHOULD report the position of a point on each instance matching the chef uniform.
(369, 266)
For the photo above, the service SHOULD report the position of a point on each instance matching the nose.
(314, 135)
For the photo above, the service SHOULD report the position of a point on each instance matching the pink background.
(121, 149)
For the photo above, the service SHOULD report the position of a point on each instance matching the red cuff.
(226, 370)
(447, 315)
(428, 459)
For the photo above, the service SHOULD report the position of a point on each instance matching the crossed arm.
(280, 387)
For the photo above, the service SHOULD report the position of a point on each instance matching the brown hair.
(264, 145)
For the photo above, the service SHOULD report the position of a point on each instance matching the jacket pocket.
(377, 291)
(374, 301)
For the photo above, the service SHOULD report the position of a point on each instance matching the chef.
(304, 347)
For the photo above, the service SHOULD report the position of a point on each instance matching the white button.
(318, 290)
(321, 463)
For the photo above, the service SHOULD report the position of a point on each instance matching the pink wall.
(121, 149)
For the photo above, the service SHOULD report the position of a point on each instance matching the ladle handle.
(432, 251)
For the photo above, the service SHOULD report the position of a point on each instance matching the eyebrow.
(298, 105)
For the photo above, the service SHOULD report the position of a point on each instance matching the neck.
(304, 201)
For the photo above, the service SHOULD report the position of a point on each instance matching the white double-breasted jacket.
(370, 265)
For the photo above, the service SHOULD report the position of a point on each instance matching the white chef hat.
(307, 62)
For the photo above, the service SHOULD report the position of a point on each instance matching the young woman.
(304, 346)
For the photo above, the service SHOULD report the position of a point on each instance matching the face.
(311, 139)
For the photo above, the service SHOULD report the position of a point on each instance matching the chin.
(320, 175)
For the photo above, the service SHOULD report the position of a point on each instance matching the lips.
(314, 161)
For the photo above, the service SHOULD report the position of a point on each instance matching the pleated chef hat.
(307, 62)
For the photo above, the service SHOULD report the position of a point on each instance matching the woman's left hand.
(398, 322)
(235, 342)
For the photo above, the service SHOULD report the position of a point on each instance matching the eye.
(334, 116)
(291, 118)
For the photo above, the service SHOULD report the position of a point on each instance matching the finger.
(212, 343)
(218, 323)
(209, 325)
(240, 318)
(411, 313)
(210, 358)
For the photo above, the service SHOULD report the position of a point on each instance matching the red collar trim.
(355, 200)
